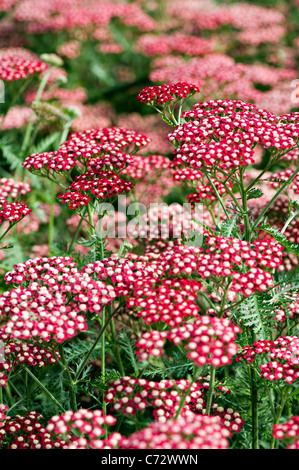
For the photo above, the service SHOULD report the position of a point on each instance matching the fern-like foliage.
(293, 247)
(229, 228)
(257, 311)
(253, 313)
(128, 347)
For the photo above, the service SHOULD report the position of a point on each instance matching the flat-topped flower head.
(27, 432)
(97, 184)
(14, 68)
(166, 93)
(224, 133)
(10, 188)
(91, 427)
(189, 432)
(288, 430)
(12, 211)
(95, 148)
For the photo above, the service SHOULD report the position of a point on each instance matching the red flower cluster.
(223, 256)
(95, 148)
(208, 341)
(166, 93)
(101, 184)
(12, 211)
(230, 418)
(288, 430)
(26, 432)
(17, 353)
(129, 395)
(204, 192)
(36, 269)
(38, 313)
(189, 432)
(13, 189)
(170, 301)
(225, 133)
(14, 68)
(283, 354)
(51, 308)
(186, 174)
(90, 424)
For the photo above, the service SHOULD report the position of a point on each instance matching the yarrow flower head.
(101, 184)
(166, 93)
(27, 432)
(12, 211)
(51, 306)
(288, 430)
(225, 133)
(207, 341)
(189, 432)
(90, 424)
(282, 358)
(14, 68)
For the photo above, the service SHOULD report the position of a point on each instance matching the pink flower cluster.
(129, 395)
(189, 432)
(51, 307)
(166, 93)
(14, 68)
(277, 179)
(41, 16)
(225, 133)
(207, 341)
(178, 43)
(288, 430)
(146, 167)
(90, 425)
(27, 432)
(13, 189)
(282, 358)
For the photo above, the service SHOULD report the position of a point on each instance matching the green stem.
(51, 215)
(75, 236)
(185, 395)
(66, 370)
(29, 129)
(284, 397)
(254, 409)
(86, 358)
(47, 392)
(282, 188)
(253, 374)
(218, 197)
(211, 389)
(115, 346)
(103, 356)
(245, 208)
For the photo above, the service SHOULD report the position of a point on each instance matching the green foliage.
(253, 313)
(254, 193)
(293, 247)
(229, 228)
